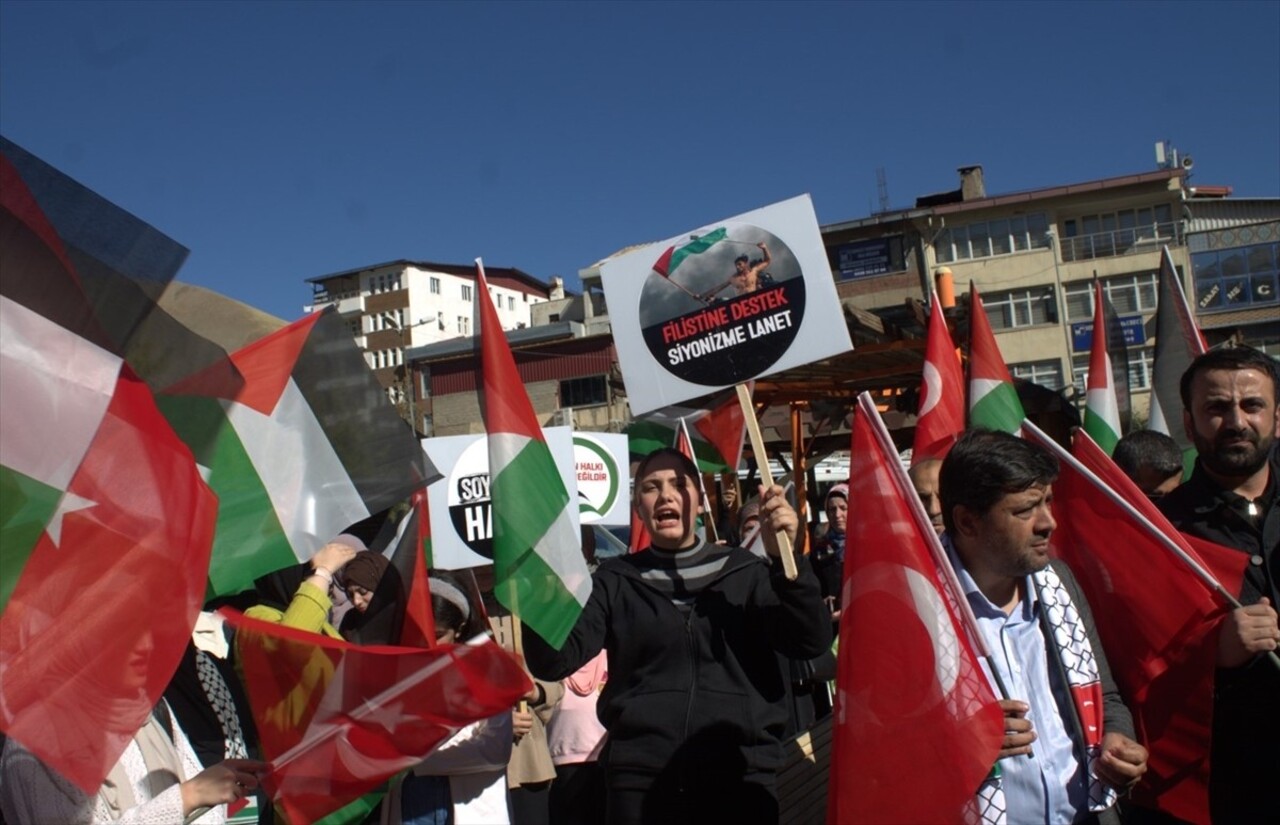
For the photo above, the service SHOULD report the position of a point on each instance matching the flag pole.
(766, 475)
(695, 296)
(705, 502)
(1163, 538)
(946, 572)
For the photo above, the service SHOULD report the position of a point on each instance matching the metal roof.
(1229, 213)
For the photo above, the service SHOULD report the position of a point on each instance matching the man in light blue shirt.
(1068, 743)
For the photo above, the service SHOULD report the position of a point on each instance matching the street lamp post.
(1069, 380)
(406, 366)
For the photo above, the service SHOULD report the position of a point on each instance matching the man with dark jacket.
(695, 703)
(1230, 412)
(1068, 744)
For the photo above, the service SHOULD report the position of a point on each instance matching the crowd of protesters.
(675, 691)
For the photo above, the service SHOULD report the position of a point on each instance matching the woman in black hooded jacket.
(695, 704)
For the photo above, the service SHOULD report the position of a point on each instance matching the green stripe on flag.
(1100, 430)
(249, 540)
(531, 479)
(524, 581)
(697, 247)
(26, 506)
(643, 437)
(999, 409)
(356, 811)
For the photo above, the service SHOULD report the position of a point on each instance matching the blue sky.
(280, 141)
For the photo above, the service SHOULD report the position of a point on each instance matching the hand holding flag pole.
(766, 475)
(1161, 535)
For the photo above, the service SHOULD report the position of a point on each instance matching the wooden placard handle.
(766, 475)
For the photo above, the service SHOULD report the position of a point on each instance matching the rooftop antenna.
(882, 188)
(1167, 157)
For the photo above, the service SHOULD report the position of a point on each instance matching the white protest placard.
(459, 505)
(602, 465)
(732, 301)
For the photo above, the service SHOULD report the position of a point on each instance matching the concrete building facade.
(1033, 257)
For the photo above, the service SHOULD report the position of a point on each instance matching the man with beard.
(1230, 413)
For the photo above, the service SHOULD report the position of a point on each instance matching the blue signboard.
(1134, 333)
(862, 259)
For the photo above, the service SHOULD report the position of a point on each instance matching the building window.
(435, 285)
(464, 325)
(1129, 294)
(986, 239)
(1046, 373)
(1021, 308)
(466, 292)
(1141, 360)
(511, 302)
(584, 392)
(356, 325)
(1236, 278)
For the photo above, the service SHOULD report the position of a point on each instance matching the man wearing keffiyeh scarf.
(1068, 745)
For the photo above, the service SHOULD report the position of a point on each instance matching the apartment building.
(394, 306)
(1033, 256)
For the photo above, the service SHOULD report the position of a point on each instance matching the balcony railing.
(1121, 242)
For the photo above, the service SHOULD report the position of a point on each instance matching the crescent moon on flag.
(928, 607)
(933, 389)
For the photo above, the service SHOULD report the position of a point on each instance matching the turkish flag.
(1158, 620)
(917, 727)
(336, 720)
(105, 523)
(940, 417)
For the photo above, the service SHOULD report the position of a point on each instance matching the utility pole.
(407, 384)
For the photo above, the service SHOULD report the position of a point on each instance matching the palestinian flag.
(685, 445)
(539, 572)
(105, 523)
(1101, 413)
(336, 720)
(1178, 342)
(307, 446)
(669, 260)
(717, 428)
(940, 417)
(993, 401)
(123, 267)
(411, 557)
